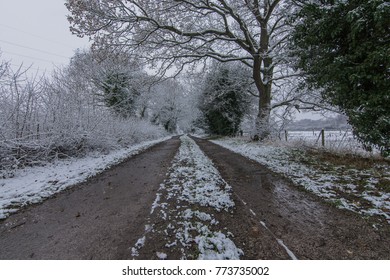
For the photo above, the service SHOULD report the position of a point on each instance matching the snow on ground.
(339, 141)
(186, 201)
(34, 184)
(346, 186)
(332, 137)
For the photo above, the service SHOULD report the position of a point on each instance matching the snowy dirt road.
(189, 199)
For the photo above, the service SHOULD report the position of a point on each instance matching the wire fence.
(335, 140)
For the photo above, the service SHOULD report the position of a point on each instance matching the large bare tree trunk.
(262, 125)
(263, 81)
(263, 128)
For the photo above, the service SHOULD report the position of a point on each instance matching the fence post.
(285, 135)
(323, 137)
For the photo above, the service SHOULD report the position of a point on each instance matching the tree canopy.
(181, 33)
(343, 49)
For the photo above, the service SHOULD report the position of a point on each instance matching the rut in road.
(306, 225)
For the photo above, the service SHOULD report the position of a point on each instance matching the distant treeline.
(336, 123)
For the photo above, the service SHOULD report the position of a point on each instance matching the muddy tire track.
(309, 227)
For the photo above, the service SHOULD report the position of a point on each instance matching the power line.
(31, 57)
(33, 49)
(35, 35)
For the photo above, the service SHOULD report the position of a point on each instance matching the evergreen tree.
(119, 94)
(343, 48)
(223, 105)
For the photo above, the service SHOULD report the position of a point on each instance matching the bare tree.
(43, 118)
(184, 33)
(4, 66)
(117, 79)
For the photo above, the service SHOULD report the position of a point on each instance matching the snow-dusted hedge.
(43, 119)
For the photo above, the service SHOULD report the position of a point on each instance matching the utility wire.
(34, 49)
(35, 35)
(31, 57)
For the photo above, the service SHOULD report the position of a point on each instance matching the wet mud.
(301, 222)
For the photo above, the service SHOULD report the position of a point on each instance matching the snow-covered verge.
(340, 141)
(34, 184)
(362, 188)
(73, 140)
(187, 203)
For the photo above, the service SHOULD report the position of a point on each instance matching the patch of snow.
(148, 228)
(155, 203)
(216, 246)
(203, 184)
(140, 242)
(169, 245)
(138, 245)
(161, 256)
(203, 216)
(134, 252)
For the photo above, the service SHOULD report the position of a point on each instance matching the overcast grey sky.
(36, 32)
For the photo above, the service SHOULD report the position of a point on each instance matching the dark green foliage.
(224, 102)
(119, 95)
(344, 49)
